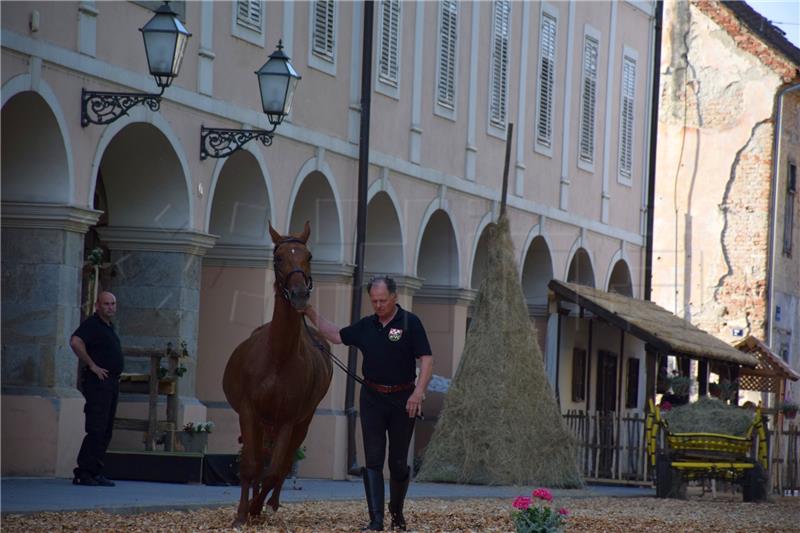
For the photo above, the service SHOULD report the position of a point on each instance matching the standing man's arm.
(414, 403)
(79, 347)
(328, 329)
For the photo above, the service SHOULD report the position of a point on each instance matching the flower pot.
(192, 442)
(789, 415)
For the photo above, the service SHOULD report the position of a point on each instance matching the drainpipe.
(361, 231)
(651, 167)
(773, 226)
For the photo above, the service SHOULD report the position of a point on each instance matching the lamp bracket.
(105, 107)
(222, 142)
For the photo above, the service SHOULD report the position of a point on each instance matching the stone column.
(156, 279)
(42, 249)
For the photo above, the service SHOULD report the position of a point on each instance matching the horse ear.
(274, 234)
(306, 232)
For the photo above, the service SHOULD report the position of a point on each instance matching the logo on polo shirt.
(395, 334)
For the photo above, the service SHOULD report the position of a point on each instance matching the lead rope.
(353, 376)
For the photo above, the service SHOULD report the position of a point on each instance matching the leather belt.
(387, 389)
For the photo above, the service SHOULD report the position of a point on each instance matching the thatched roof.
(653, 324)
(769, 364)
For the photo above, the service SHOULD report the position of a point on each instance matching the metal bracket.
(105, 108)
(222, 142)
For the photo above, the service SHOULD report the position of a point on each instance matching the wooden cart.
(684, 457)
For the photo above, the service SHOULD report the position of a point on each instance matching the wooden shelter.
(770, 375)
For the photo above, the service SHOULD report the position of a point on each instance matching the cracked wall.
(713, 176)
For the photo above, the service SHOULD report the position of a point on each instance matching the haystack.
(500, 424)
(708, 415)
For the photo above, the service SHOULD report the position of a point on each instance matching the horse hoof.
(239, 522)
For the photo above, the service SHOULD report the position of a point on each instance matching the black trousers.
(379, 418)
(100, 409)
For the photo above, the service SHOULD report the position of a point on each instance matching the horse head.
(292, 263)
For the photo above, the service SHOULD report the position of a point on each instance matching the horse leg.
(252, 459)
(298, 436)
(277, 470)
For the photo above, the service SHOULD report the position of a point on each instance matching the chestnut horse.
(275, 379)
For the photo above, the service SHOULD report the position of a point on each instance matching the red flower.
(563, 511)
(543, 494)
(522, 503)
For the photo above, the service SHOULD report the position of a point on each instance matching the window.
(578, 375)
(322, 48)
(498, 93)
(248, 14)
(389, 48)
(546, 82)
(248, 21)
(626, 119)
(632, 388)
(446, 59)
(788, 210)
(588, 101)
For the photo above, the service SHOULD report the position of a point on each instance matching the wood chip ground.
(723, 514)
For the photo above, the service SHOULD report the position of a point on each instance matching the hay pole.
(509, 134)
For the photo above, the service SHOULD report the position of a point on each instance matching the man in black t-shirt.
(97, 346)
(391, 341)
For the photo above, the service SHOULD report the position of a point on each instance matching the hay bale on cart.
(688, 454)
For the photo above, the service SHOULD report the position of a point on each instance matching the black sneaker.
(85, 480)
(103, 481)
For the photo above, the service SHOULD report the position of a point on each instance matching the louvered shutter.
(389, 49)
(547, 77)
(324, 26)
(626, 118)
(499, 88)
(248, 14)
(448, 34)
(588, 99)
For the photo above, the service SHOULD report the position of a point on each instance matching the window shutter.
(448, 34)
(499, 88)
(324, 26)
(788, 210)
(588, 99)
(248, 14)
(389, 50)
(626, 119)
(547, 77)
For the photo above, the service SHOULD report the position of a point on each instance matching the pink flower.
(665, 406)
(543, 494)
(563, 511)
(522, 503)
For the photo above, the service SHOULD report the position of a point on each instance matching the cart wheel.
(669, 482)
(754, 484)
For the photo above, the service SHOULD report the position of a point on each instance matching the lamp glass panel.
(273, 93)
(160, 47)
(180, 48)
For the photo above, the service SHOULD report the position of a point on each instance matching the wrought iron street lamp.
(164, 44)
(277, 80)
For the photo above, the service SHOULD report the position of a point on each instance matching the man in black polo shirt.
(96, 344)
(391, 340)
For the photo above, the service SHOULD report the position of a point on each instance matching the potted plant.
(788, 408)
(194, 437)
(679, 385)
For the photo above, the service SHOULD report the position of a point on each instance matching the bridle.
(280, 279)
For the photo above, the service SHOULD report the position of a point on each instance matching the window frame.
(249, 32)
(315, 59)
(547, 12)
(384, 85)
(590, 35)
(788, 207)
(628, 54)
(494, 129)
(440, 108)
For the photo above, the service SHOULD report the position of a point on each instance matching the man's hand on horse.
(101, 373)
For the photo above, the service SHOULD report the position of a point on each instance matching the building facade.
(726, 233)
(187, 248)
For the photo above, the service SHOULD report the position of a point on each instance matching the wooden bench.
(157, 382)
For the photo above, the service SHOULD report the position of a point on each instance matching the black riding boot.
(397, 496)
(373, 486)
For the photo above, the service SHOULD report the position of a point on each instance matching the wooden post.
(152, 402)
(509, 134)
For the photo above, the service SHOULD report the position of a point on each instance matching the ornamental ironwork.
(105, 108)
(222, 142)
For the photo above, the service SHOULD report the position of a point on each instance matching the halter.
(308, 280)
